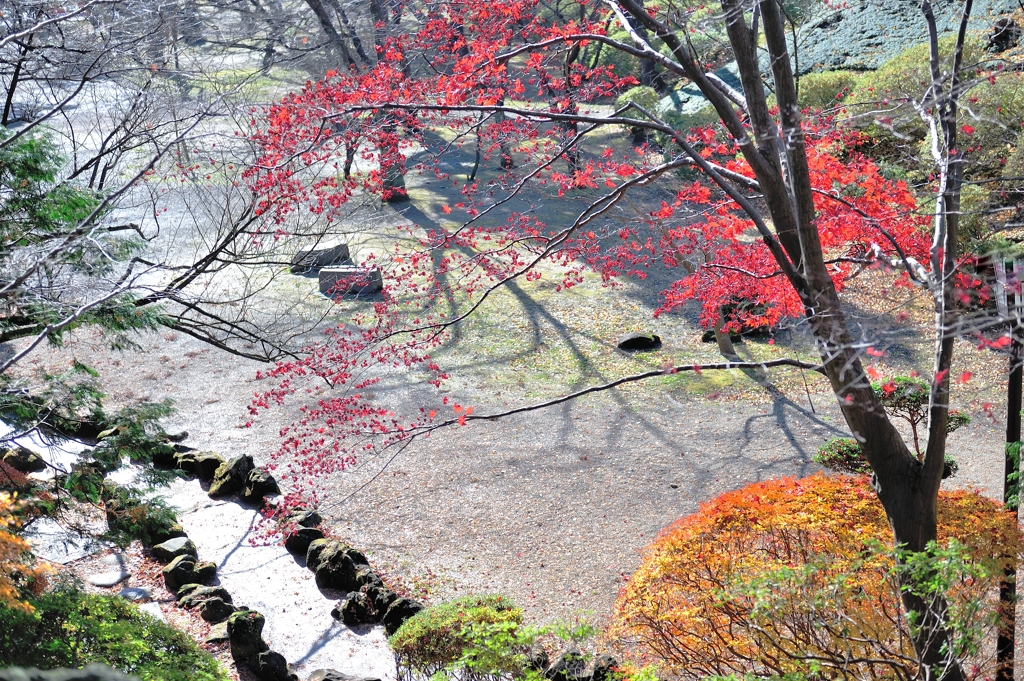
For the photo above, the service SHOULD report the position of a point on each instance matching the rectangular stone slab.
(322, 255)
(347, 279)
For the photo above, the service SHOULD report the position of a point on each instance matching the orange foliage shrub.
(793, 576)
(15, 570)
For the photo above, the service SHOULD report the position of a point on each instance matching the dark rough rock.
(215, 609)
(1004, 35)
(172, 548)
(355, 608)
(397, 614)
(639, 341)
(537, 658)
(382, 597)
(164, 533)
(218, 633)
(306, 518)
(230, 476)
(205, 464)
(604, 668)
(569, 666)
(334, 564)
(24, 461)
(367, 578)
(258, 484)
(245, 633)
(185, 570)
(191, 595)
(334, 675)
(164, 456)
(298, 541)
(323, 255)
(271, 666)
(92, 672)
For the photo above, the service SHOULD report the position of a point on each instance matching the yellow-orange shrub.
(15, 570)
(787, 575)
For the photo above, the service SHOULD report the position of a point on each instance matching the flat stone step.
(349, 279)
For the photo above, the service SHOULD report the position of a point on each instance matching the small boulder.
(215, 610)
(382, 597)
(137, 594)
(230, 476)
(367, 578)
(185, 570)
(537, 658)
(92, 672)
(334, 675)
(334, 564)
(205, 464)
(161, 532)
(218, 633)
(108, 579)
(258, 484)
(172, 548)
(569, 666)
(639, 341)
(355, 608)
(191, 595)
(604, 668)
(271, 666)
(245, 633)
(400, 610)
(23, 461)
(298, 541)
(306, 518)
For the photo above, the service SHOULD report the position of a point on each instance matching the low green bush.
(438, 637)
(827, 89)
(843, 455)
(70, 628)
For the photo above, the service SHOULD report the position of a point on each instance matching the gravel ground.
(552, 508)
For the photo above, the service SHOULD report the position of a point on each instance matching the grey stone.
(334, 675)
(639, 341)
(53, 542)
(321, 255)
(271, 666)
(215, 609)
(401, 610)
(153, 609)
(139, 594)
(350, 279)
(218, 633)
(191, 595)
(108, 579)
(172, 548)
(258, 484)
(298, 541)
(92, 672)
(230, 476)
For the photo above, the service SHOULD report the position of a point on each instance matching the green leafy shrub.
(131, 517)
(70, 628)
(439, 636)
(827, 89)
(644, 96)
(843, 455)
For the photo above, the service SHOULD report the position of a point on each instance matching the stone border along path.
(266, 578)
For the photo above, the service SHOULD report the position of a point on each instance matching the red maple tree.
(786, 209)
